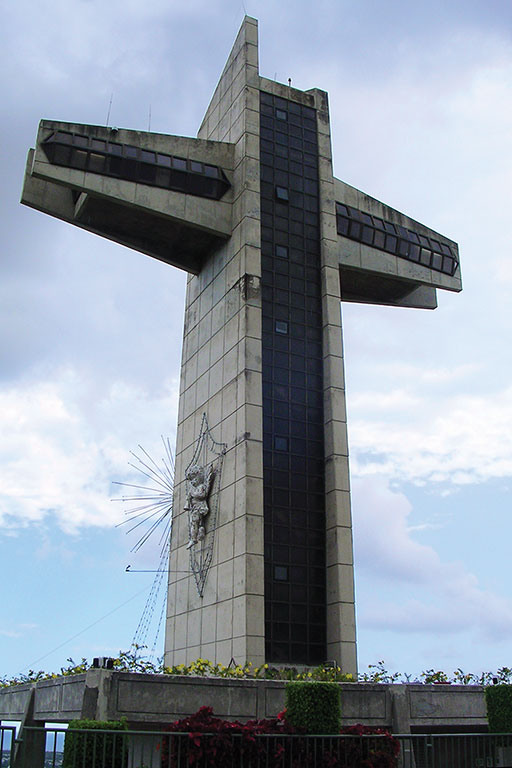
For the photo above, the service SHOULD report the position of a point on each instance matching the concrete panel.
(14, 701)
(447, 703)
(48, 699)
(274, 700)
(178, 699)
(371, 707)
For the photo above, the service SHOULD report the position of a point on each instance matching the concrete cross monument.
(261, 564)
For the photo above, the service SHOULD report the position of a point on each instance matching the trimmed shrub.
(95, 749)
(314, 707)
(498, 699)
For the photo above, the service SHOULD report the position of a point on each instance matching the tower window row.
(393, 238)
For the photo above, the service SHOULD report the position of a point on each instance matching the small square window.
(414, 252)
(96, 163)
(61, 155)
(196, 167)
(281, 326)
(448, 265)
(425, 257)
(163, 177)
(437, 261)
(147, 172)
(355, 230)
(342, 225)
(280, 443)
(63, 136)
(281, 114)
(179, 162)
(114, 166)
(282, 193)
(391, 243)
(78, 159)
(282, 251)
(403, 249)
(281, 573)
(367, 235)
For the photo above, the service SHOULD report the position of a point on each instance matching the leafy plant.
(432, 676)
(213, 741)
(91, 743)
(134, 660)
(498, 699)
(313, 707)
(379, 674)
(205, 740)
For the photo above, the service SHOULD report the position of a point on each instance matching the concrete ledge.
(178, 228)
(148, 700)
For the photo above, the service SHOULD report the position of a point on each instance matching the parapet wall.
(150, 701)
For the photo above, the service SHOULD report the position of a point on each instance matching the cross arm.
(385, 257)
(167, 196)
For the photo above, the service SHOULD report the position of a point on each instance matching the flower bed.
(205, 740)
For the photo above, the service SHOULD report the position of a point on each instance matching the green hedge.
(95, 750)
(314, 707)
(498, 699)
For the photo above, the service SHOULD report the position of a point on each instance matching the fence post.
(29, 749)
(406, 756)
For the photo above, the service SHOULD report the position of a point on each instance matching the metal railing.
(456, 750)
(47, 748)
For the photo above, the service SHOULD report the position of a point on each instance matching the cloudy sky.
(90, 332)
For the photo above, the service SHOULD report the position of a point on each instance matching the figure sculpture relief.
(199, 484)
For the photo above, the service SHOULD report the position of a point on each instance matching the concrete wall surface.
(150, 701)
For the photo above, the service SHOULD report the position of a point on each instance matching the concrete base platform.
(151, 701)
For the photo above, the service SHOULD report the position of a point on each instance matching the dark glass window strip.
(293, 458)
(124, 161)
(393, 238)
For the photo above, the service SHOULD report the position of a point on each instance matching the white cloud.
(447, 597)
(59, 460)
(454, 439)
(19, 630)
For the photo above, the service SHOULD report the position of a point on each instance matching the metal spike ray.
(151, 510)
(141, 633)
(151, 503)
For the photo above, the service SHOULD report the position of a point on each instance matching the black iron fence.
(460, 750)
(61, 748)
